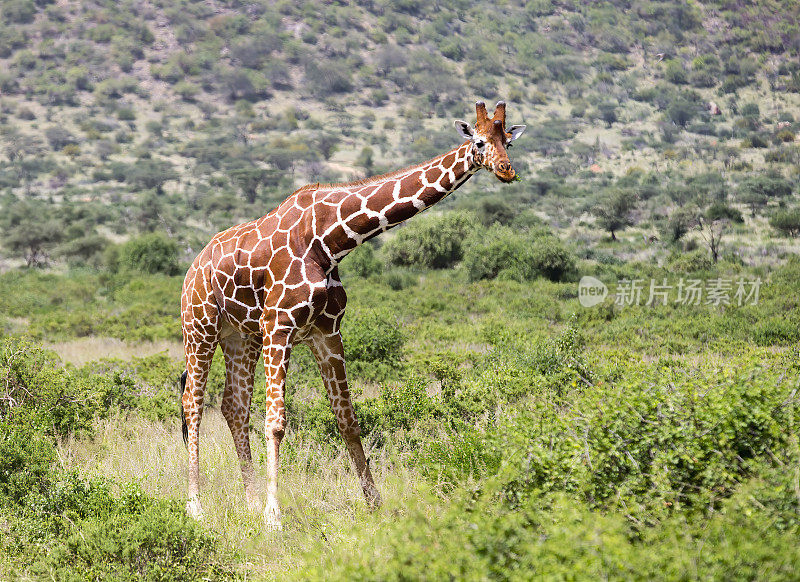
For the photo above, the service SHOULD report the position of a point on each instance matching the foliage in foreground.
(653, 471)
(61, 526)
(559, 538)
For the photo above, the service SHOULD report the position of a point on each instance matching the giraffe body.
(265, 285)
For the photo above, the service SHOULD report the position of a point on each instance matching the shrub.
(433, 242)
(690, 262)
(550, 258)
(26, 458)
(785, 155)
(397, 279)
(674, 72)
(44, 396)
(187, 91)
(130, 538)
(59, 137)
(502, 252)
(19, 11)
(362, 262)
(327, 78)
(499, 250)
(372, 336)
(496, 209)
(150, 253)
(754, 141)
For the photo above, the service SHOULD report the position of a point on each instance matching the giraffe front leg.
(329, 352)
(277, 345)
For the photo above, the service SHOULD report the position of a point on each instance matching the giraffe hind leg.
(241, 355)
(200, 351)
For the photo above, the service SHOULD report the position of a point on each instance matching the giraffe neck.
(366, 209)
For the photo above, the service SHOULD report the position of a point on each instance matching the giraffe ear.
(516, 131)
(464, 129)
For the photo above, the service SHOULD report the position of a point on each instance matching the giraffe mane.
(371, 179)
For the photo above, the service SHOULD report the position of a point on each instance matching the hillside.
(120, 118)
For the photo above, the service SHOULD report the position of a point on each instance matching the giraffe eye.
(479, 144)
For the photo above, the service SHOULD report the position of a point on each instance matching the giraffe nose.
(505, 168)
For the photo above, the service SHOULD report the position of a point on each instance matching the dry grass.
(80, 351)
(319, 492)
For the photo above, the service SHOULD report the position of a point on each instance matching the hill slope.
(188, 116)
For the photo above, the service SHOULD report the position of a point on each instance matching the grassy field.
(518, 434)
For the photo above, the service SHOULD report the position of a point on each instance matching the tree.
(506, 253)
(714, 223)
(365, 159)
(31, 229)
(614, 211)
(756, 191)
(328, 77)
(59, 137)
(786, 221)
(681, 111)
(147, 173)
(325, 144)
(679, 223)
(249, 180)
(608, 112)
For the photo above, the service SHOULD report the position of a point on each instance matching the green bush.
(62, 527)
(433, 242)
(561, 538)
(550, 258)
(40, 393)
(786, 221)
(131, 538)
(502, 252)
(397, 407)
(26, 460)
(19, 11)
(674, 72)
(149, 253)
(362, 262)
(372, 336)
(691, 262)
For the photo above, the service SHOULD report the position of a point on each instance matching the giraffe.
(266, 285)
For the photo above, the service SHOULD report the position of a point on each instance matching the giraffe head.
(490, 140)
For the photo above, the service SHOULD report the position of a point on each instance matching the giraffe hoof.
(272, 516)
(194, 509)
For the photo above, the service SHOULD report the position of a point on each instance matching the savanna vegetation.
(514, 432)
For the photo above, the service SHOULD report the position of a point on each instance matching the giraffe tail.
(184, 428)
